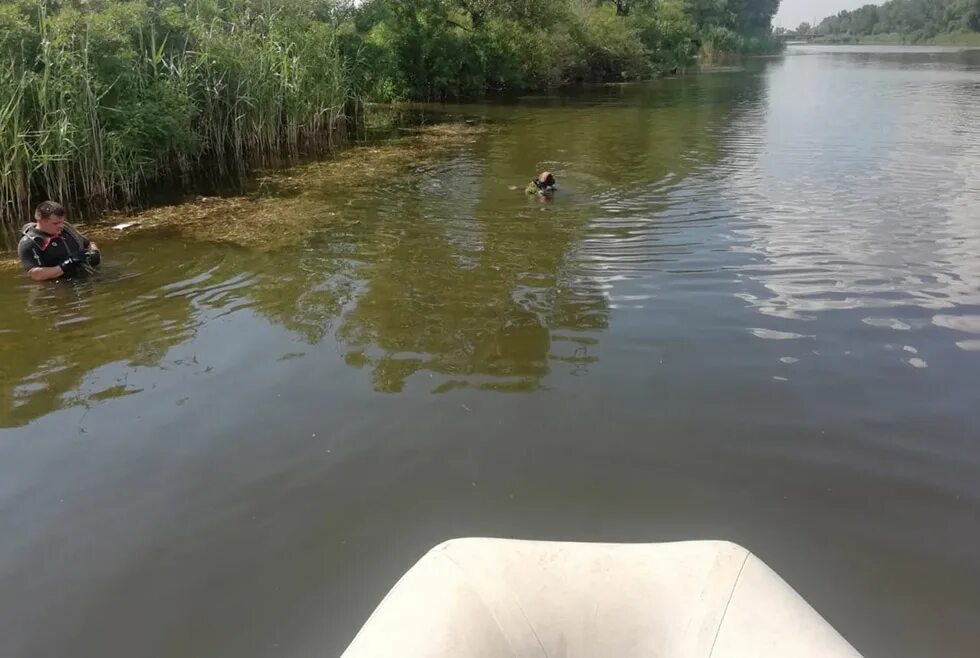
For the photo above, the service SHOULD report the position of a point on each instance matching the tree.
(521, 10)
(912, 19)
(804, 29)
(624, 7)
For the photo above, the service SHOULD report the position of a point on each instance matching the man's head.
(50, 217)
(545, 182)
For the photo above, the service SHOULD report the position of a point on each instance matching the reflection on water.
(752, 311)
(56, 335)
(475, 287)
(883, 216)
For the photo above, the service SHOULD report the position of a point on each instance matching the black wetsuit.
(39, 249)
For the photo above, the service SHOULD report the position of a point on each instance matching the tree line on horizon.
(905, 20)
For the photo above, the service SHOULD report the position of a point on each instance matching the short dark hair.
(48, 208)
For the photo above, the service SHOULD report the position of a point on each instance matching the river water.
(752, 312)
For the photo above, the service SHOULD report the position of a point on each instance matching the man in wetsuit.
(51, 248)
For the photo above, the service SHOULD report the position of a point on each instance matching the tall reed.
(100, 98)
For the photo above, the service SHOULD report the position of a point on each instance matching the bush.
(762, 45)
(719, 40)
(426, 49)
(433, 49)
(670, 36)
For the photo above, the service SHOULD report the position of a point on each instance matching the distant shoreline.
(950, 39)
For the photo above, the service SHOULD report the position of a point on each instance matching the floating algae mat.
(278, 208)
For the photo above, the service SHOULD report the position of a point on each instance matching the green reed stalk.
(104, 97)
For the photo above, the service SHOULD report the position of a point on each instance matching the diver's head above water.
(50, 217)
(544, 184)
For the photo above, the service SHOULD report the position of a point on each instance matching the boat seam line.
(731, 595)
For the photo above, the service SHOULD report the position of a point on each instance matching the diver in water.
(51, 248)
(544, 184)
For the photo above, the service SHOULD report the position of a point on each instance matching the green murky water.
(752, 312)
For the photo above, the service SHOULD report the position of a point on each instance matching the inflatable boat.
(501, 598)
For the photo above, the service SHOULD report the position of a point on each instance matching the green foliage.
(905, 20)
(433, 49)
(607, 46)
(100, 97)
(734, 26)
(669, 35)
(719, 39)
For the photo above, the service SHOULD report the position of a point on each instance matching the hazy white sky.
(793, 12)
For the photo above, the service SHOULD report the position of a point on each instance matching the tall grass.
(100, 98)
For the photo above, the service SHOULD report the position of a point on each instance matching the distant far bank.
(950, 39)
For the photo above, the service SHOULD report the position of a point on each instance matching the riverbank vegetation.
(905, 21)
(433, 49)
(99, 98)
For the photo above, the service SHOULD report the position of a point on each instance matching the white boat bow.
(500, 598)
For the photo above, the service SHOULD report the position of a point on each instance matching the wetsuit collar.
(34, 231)
(41, 238)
